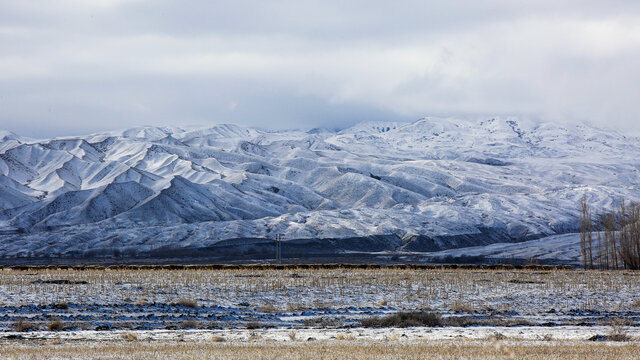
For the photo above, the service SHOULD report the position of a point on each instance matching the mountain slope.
(430, 185)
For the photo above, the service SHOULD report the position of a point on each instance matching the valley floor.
(327, 313)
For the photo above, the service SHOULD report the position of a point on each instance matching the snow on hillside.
(426, 186)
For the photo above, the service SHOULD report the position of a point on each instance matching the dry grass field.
(320, 350)
(118, 313)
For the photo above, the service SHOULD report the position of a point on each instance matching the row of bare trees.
(610, 239)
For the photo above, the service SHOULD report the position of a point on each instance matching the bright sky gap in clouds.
(71, 67)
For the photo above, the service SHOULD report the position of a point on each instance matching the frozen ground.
(486, 333)
(317, 314)
(289, 299)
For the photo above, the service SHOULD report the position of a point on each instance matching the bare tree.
(586, 230)
(618, 237)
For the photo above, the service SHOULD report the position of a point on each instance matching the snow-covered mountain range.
(430, 185)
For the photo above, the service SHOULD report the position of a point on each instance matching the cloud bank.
(71, 66)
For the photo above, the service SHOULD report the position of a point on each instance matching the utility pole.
(279, 248)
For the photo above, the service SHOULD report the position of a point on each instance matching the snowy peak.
(427, 185)
(377, 127)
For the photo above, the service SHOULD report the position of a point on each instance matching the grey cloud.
(70, 66)
(62, 107)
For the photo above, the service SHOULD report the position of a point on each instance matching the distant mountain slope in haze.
(430, 185)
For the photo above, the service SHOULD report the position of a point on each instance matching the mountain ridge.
(432, 184)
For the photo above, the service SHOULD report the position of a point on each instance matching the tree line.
(610, 239)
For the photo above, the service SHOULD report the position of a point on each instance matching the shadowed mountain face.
(425, 186)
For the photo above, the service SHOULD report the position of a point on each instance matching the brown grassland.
(319, 350)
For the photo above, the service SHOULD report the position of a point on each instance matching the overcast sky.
(72, 67)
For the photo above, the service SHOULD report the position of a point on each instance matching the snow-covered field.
(486, 333)
(130, 314)
(220, 192)
(558, 248)
(292, 299)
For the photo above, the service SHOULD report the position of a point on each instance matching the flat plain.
(115, 313)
